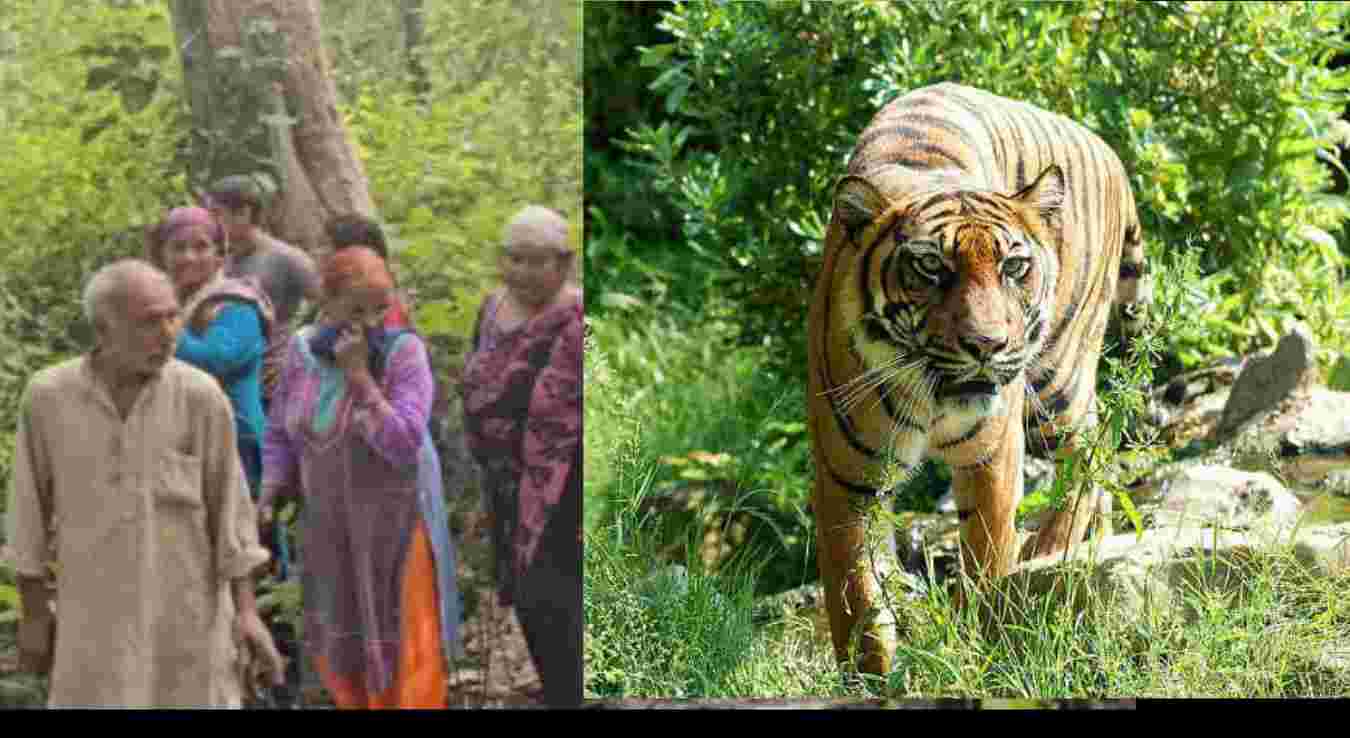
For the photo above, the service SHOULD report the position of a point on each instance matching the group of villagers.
(155, 538)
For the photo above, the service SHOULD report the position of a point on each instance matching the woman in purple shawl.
(522, 408)
(348, 434)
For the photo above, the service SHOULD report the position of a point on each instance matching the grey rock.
(1317, 446)
(926, 539)
(1206, 496)
(672, 581)
(1266, 380)
(1325, 549)
(1037, 473)
(1136, 573)
(1191, 398)
(804, 600)
(947, 502)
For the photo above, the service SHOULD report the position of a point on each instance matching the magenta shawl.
(522, 409)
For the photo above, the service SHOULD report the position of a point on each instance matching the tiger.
(976, 250)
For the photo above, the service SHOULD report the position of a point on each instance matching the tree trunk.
(263, 101)
(414, 27)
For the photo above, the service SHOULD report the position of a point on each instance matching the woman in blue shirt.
(226, 323)
(226, 326)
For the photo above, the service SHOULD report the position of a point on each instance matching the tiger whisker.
(864, 378)
(866, 382)
(1038, 407)
(925, 385)
(881, 396)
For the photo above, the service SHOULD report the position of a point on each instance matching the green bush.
(672, 634)
(500, 130)
(89, 120)
(94, 125)
(1223, 114)
(667, 414)
(617, 98)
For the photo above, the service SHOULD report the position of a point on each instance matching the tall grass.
(653, 393)
(658, 631)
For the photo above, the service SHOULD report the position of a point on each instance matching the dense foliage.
(499, 130)
(86, 162)
(1224, 114)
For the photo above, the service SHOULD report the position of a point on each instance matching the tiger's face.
(971, 285)
(957, 289)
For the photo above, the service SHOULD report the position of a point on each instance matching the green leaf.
(136, 93)
(1339, 379)
(9, 597)
(1315, 235)
(655, 56)
(100, 77)
(677, 96)
(666, 78)
(1132, 513)
(620, 301)
(435, 318)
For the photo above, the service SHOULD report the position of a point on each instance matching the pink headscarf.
(181, 219)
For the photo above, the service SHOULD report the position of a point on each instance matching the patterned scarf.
(220, 288)
(522, 414)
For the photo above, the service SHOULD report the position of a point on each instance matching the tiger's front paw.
(1051, 538)
(1061, 529)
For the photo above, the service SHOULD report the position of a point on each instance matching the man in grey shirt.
(288, 274)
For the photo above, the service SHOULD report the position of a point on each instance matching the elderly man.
(127, 485)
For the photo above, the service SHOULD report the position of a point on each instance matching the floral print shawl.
(522, 412)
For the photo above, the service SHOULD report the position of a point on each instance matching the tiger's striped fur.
(975, 250)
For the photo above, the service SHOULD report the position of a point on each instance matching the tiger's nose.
(983, 347)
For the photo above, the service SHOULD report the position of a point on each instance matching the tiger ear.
(1046, 195)
(857, 202)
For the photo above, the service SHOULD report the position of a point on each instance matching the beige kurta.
(151, 521)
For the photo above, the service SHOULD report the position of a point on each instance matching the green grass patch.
(655, 392)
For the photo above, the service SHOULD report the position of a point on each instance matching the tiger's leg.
(855, 559)
(1062, 528)
(987, 493)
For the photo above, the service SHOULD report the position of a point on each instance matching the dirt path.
(496, 670)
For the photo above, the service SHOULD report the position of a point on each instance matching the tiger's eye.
(1016, 267)
(930, 265)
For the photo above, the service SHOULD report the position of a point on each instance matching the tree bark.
(414, 27)
(263, 101)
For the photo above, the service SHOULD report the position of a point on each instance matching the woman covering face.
(522, 416)
(348, 436)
